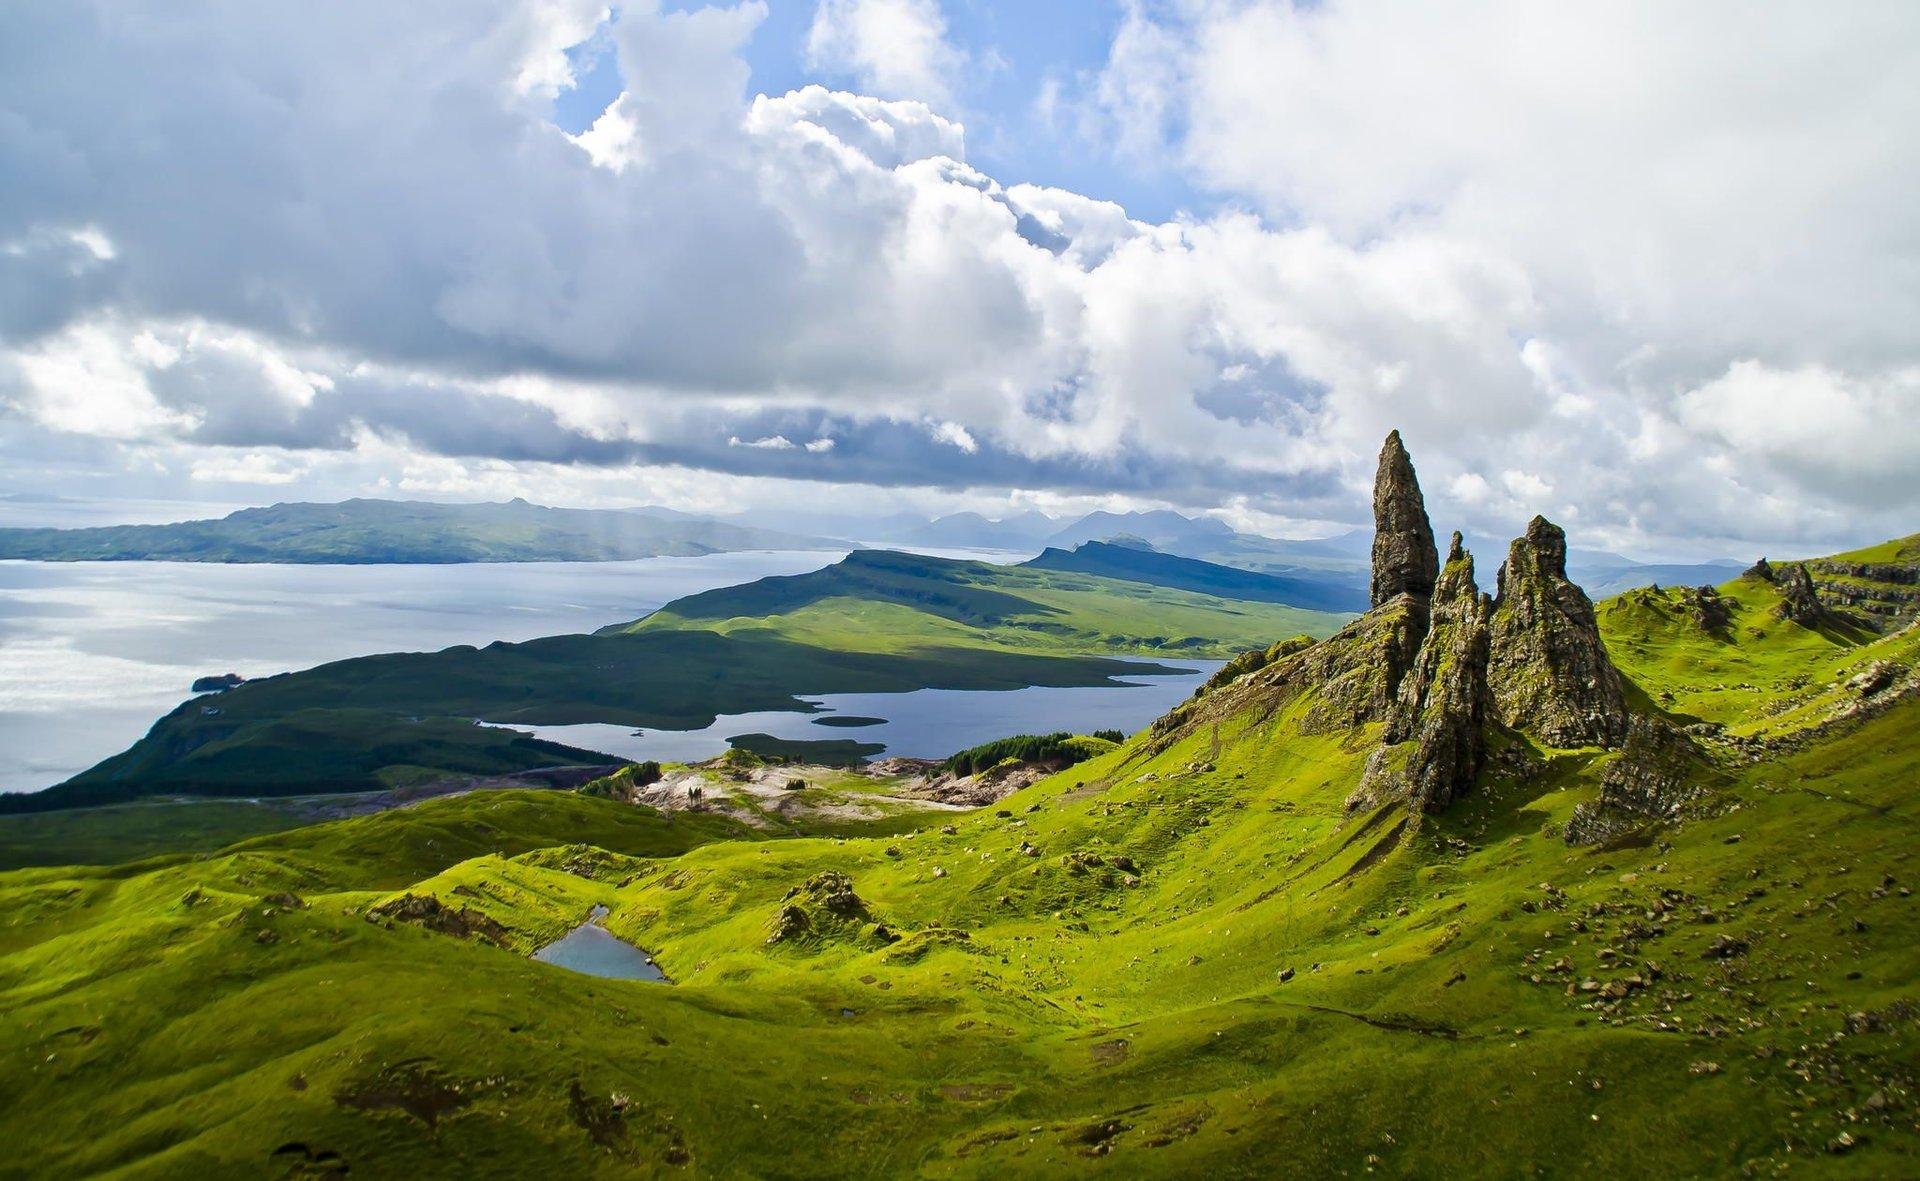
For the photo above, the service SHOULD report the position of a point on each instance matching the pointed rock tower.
(1356, 673)
(1404, 558)
(1435, 741)
(1548, 669)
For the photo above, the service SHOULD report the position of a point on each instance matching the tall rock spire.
(1404, 557)
(1434, 742)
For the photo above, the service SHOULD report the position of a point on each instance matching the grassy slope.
(1758, 674)
(1081, 1024)
(361, 531)
(876, 623)
(889, 602)
(1171, 570)
(124, 832)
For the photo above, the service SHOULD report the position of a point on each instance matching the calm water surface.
(92, 653)
(925, 723)
(592, 949)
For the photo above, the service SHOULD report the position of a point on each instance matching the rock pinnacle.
(1404, 557)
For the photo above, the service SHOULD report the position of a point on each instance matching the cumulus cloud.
(891, 48)
(1588, 259)
(1681, 200)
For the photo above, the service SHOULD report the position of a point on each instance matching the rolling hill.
(1505, 885)
(1134, 563)
(875, 622)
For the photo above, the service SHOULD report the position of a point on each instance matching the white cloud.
(1826, 430)
(88, 380)
(251, 467)
(955, 435)
(892, 48)
(1606, 259)
(1670, 192)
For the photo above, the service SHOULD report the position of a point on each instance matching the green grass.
(1075, 1003)
(1757, 674)
(126, 832)
(1084, 978)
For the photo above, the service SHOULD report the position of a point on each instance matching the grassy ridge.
(884, 601)
(874, 623)
(1132, 564)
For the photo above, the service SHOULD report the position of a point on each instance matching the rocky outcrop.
(1657, 774)
(1356, 673)
(1435, 740)
(1799, 602)
(1884, 596)
(826, 907)
(1548, 670)
(1437, 662)
(1359, 670)
(1404, 558)
(425, 910)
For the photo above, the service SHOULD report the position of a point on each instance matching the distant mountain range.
(1327, 573)
(358, 532)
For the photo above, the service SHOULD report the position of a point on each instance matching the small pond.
(592, 949)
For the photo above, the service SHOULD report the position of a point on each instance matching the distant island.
(370, 532)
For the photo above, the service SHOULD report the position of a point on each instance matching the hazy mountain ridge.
(389, 532)
(1135, 564)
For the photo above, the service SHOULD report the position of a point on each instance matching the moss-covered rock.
(1548, 669)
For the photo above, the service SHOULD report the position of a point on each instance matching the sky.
(1652, 270)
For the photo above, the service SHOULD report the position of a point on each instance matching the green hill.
(1691, 951)
(389, 531)
(1134, 564)
(876, 622)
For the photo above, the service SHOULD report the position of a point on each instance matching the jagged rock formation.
(1652, 779)
(1799, 602)
(1404, 558)
(1436, 661)
(1356, 672)
(1883, 595)
(1435, 739)
(1548, 669)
